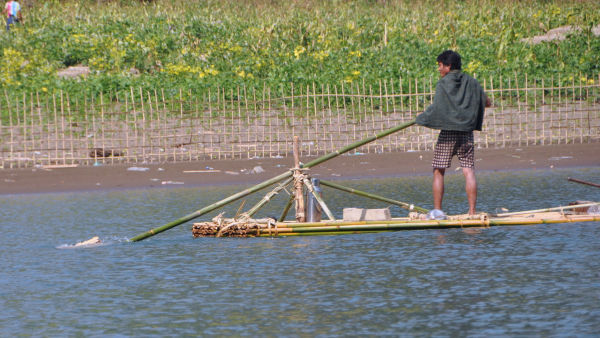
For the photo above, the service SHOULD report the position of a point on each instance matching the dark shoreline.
(238, 172)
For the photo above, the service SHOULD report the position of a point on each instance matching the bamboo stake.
(266, 183)
(70, 129)
(233, 140)
(526, 112)
(135, 126)
(559, 117)
(543, 108)
(152, 124)
(25, 130)
(41, 123)
(101, 123)
(298, 191)
(269, 123)
(55, 129)
(375, 197)
(581, 112)
(143, 126)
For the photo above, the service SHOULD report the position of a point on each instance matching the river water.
(503, 281)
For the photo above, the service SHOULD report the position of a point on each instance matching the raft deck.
(269, 228)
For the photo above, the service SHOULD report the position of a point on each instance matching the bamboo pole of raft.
(568, 207)
(373, 196)
(319, 199)
(267, 183)
(268, 197)
(330, 229)
(287, 208)
(300, 215)
(583, 182)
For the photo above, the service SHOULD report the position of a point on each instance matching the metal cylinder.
(313, 209)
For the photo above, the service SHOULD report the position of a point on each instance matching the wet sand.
(203, 173)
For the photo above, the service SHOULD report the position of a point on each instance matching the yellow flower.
(299, 51)
(12, 65)
(585, 80)
(321, 55)
(473, 67)
(211, 70)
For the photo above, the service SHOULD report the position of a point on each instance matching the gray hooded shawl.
(458, 104)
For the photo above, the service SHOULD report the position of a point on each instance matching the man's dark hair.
(450, 58)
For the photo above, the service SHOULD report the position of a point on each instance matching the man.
(458, 106)
(12, 9)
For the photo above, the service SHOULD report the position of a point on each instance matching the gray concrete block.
(359, 214)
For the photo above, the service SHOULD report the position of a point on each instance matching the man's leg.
(471, 188)
(9, 21)
(438, 187)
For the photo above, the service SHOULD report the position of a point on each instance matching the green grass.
(195, 45)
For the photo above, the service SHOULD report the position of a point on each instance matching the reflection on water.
(523, 280)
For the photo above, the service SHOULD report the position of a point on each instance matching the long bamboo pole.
(211, 207)
(568, 207)
(358, 144)
(583, 182)
(267, 183)
(375, 197)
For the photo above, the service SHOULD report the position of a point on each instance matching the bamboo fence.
(159, 126)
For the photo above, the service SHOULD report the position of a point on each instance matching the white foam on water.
(94, 242)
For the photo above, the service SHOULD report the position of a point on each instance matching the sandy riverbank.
(202, 173)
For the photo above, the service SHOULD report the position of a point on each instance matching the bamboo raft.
(304, 189)
(271, 228)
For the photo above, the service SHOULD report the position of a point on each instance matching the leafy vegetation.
(200, 44)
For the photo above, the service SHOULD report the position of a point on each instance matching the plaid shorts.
(450, 143)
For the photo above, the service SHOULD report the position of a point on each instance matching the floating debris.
(138, 169)
(171, 182)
